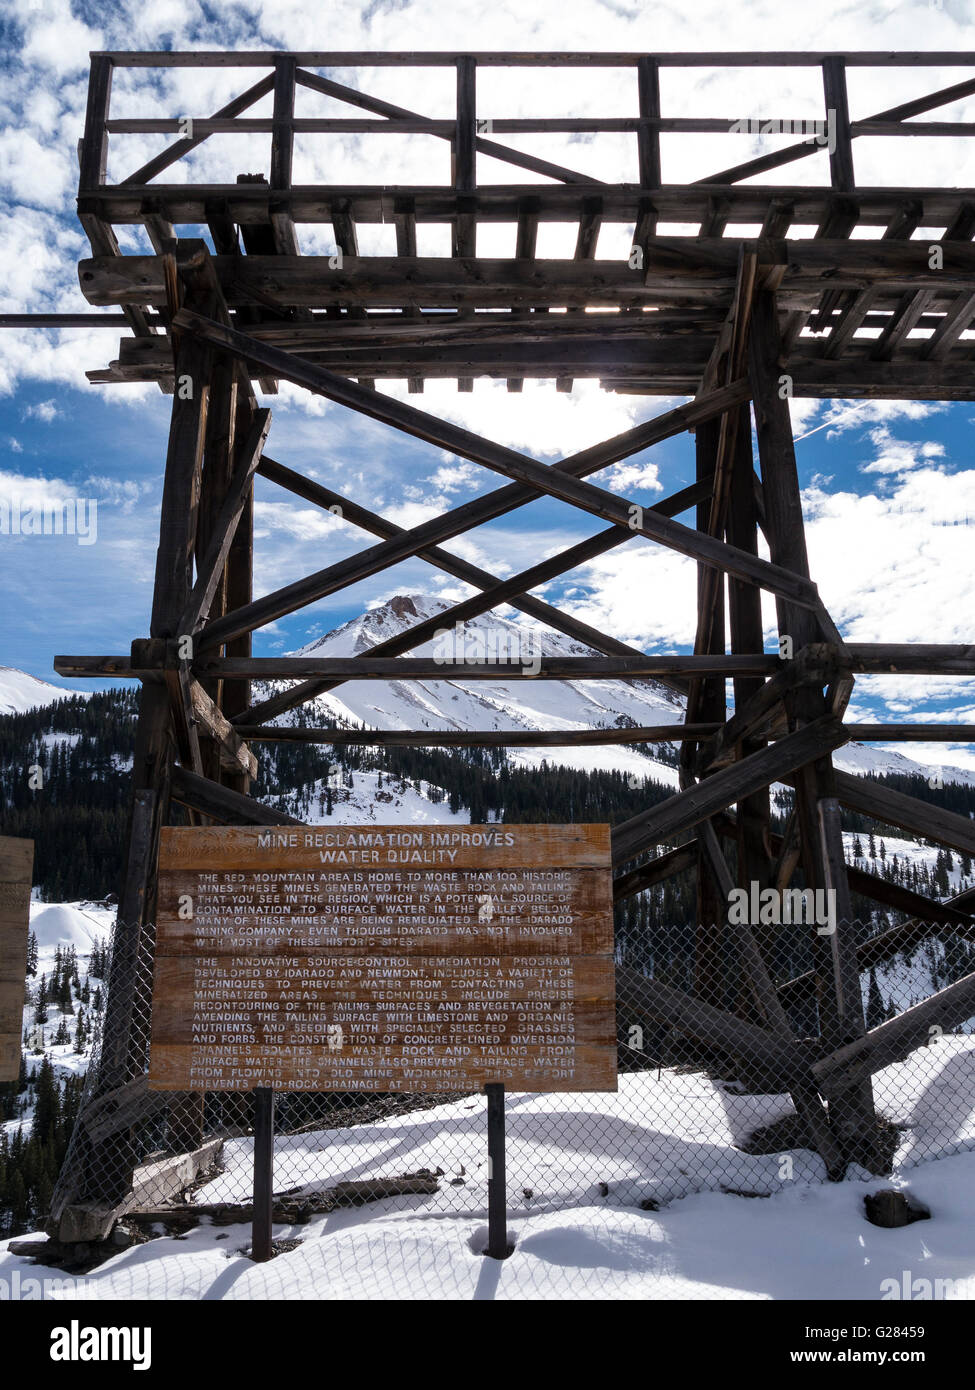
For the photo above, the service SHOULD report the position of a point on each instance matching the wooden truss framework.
(721, 319)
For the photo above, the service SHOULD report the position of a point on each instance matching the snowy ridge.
(20, 692)
(526, 705)
(485, 705)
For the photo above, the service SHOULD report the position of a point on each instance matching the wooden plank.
(282, 155)
(275, 668)
(838, 118)
(912, 733)
(772, 58)
(234, 754)
(94, 143)
(248, 204)
(694, 268)
(912, 658)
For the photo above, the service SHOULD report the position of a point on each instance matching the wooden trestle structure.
(736, 322)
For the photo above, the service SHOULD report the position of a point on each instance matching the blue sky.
(889, 488)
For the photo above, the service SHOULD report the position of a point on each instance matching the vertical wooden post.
(262, 1224)
(464, 175)
(648, 139)
(706, 702)
(282, 156)
(125, 1048)
(747, 635)
(240, 579)
(851, 1114)
(94, 142)
(497, 1246)
(838, 125)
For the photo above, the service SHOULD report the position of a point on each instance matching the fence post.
(263, 1173)
(497, 1246)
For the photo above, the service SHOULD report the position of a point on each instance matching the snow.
(68, 924)
(863, 760)
(521, 705)
(20, 692)
(805, 1239)
(525, 705)
(369, 802)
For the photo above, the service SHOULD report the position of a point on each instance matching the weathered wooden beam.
(223, 804)
(596, 501)
(151, 660)
(494, 592)
(701, 268)
(897, 1038)
(673, 861)
(912, 658)
(894, 808)
(556, 202)
(912, 733)
(234, 754)
(430, 668)
(177, 150)
(211, 568)
(471, 738)
(688, 808)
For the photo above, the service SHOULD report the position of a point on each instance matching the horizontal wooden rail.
(473, 738)
(218, 58)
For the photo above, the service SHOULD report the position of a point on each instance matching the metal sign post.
(263, 1174)
(497, 1246)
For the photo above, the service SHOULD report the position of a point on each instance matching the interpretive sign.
(384, 958)
(16, 865)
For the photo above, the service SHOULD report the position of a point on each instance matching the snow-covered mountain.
(530, 704)
(20, 692)
(518, 705)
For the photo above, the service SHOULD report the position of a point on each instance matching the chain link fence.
(691, 1114)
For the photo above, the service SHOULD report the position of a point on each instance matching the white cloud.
(45, 411)
(897, 455)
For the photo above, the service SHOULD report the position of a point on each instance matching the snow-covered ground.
(796, 1236)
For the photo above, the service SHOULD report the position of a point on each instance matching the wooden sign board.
(384, 958)
(16, 866)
